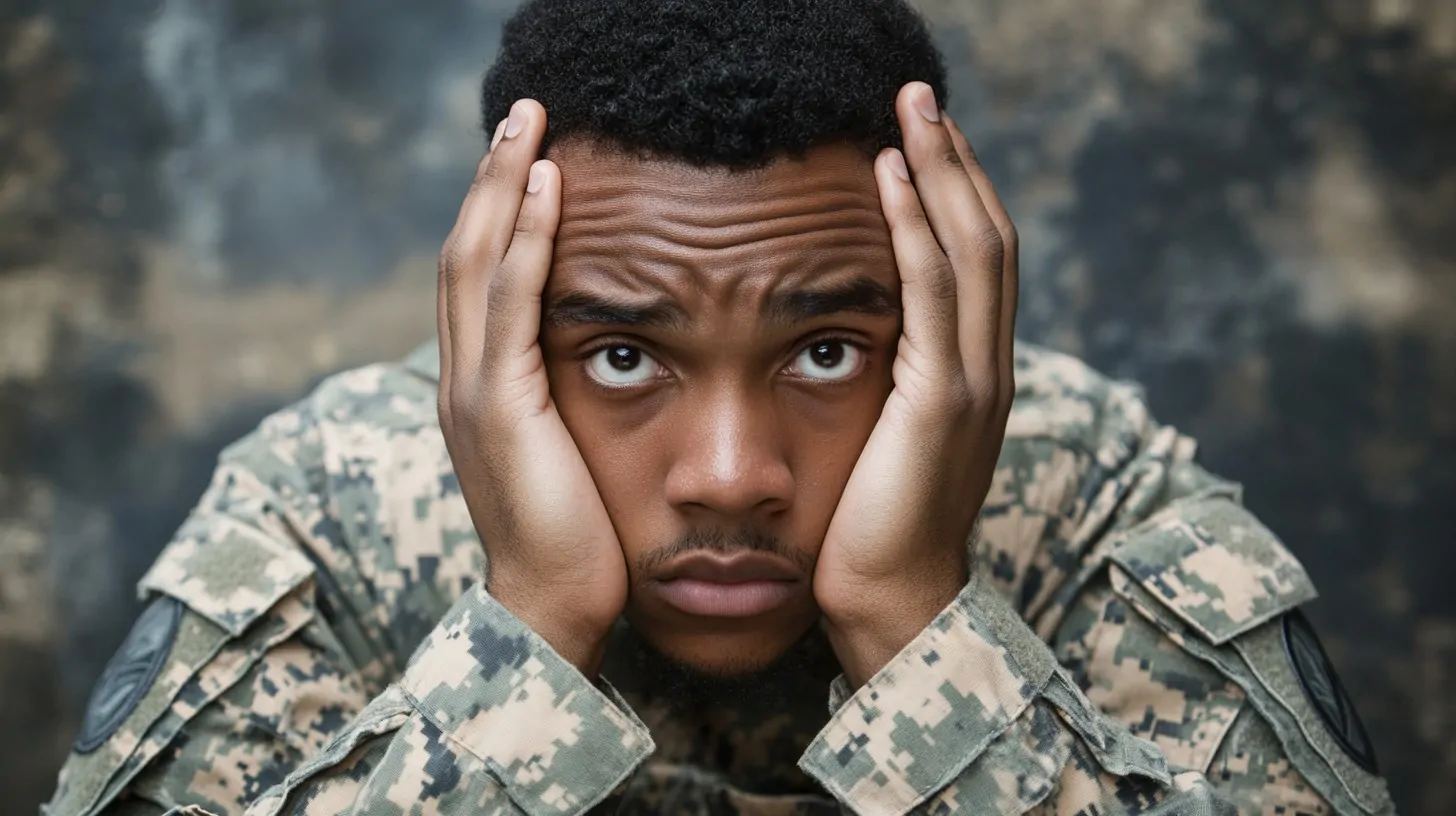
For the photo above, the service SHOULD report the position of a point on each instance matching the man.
(725, 381)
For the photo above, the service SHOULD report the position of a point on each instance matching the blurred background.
(208, 205)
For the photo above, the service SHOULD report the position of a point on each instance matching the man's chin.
(718, 668)
(721, 668)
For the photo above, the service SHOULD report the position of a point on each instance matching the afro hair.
(726, 83)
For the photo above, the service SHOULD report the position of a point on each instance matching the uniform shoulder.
(315, 491)
(1223, 588)
(1077, 443)
(1060, 397)
(295, 536)
(390, 396)
(287, 480)
(368, 408)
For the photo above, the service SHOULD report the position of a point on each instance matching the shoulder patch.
(1326, 693)
(130, 673)
(1214, 566)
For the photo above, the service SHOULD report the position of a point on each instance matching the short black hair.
(730, 83)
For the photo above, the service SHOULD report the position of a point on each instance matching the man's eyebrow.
(860, 294)
(588, 309)
(863, 295)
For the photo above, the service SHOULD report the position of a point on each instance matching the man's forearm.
(975, 713)
(487, 716)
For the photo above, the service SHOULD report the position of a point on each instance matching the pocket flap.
(226, 571)
(1214, 566)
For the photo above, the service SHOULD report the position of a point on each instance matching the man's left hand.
(896, 552)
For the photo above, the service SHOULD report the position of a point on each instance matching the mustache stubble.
(724, 542)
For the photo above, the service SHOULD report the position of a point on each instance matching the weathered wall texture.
(205, 205)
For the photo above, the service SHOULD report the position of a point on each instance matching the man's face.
(719, 346)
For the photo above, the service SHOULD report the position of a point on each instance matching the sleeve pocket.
(1215, 568)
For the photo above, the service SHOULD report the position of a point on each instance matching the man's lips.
(738, 586)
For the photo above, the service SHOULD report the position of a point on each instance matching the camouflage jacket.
(318, 641)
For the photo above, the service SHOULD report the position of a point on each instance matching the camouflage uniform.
(1130, 642)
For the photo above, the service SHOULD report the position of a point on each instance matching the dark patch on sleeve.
(1191, 686)
(363, 768)
(1030, 587)
(1325, 692)
(1003, 568)
(852, 747)
(429, 566)
(331, 720)
(441, 767)
(1115, 612)
(449, 484)
(269, 775)
(327, 528)
(495, 653)
(130, 673)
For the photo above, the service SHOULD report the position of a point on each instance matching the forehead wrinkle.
(721, 225)
(649, 268)
(834, 225)
(647, 265)
(638, 269)
(643, 276)
(709, 205)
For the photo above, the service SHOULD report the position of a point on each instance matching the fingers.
(963, 228)
(482, 235)
(513, 311)
(448, 301)
(1011, 244)
(928, 293)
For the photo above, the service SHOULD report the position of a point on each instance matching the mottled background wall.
(206, 205)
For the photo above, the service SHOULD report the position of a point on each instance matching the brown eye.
(621, 365)
(830, 360)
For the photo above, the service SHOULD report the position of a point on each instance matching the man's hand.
(554, 558)
(896, 551)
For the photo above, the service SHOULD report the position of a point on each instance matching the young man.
(724, 384)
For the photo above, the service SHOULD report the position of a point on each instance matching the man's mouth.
(738, 586)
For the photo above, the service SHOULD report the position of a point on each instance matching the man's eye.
(831, 360)
(621, 365)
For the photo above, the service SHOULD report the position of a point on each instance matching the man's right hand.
(555, 561)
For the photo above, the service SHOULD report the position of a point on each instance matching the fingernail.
(500, 130)
(515, 122)
(925, 103)
(896, 160)
(536, 179)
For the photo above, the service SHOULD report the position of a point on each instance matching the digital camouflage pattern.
(1113, 652)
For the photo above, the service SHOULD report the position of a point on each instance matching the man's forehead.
(637, 226)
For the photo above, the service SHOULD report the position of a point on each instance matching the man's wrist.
(578, 644)
(865, 639)
(581, 650)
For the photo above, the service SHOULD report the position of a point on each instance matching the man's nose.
(730, 460)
